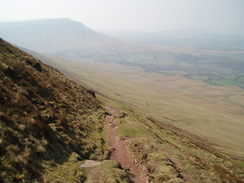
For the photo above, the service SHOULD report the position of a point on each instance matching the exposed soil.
(91, 163)
(121, 152)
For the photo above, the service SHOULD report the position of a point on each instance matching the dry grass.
(44, 118)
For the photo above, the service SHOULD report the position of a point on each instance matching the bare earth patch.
(90, 163)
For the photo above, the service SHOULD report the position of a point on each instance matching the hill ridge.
(60, 36)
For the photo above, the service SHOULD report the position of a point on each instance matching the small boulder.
(92, 92)
(37, 66)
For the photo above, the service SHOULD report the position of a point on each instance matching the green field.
(228, 81)
(220, 68)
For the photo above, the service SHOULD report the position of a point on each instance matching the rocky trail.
(120, 151)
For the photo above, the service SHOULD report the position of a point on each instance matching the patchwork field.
(213, 113)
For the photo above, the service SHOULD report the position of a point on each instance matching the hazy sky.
(222, 16)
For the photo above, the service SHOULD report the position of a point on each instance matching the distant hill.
(209, 57)
(62, 37)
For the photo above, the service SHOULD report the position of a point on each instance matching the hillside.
(51, 128)
(45, 119)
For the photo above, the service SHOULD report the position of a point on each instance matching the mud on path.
(121, 152)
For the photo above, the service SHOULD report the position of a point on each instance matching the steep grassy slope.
(45, 120)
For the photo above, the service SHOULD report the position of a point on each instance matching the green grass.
(228, 81)
(240, 79)
(129, 127)
(69, 171)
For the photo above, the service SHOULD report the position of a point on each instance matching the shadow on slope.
(44, 118)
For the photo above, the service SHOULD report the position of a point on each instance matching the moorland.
(180, 101)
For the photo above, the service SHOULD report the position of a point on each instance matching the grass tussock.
(109, 171)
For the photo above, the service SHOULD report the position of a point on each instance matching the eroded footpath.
(120, 151)
(150, 151)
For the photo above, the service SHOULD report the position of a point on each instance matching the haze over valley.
(215, 59)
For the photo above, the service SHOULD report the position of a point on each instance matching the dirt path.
(120, 151)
